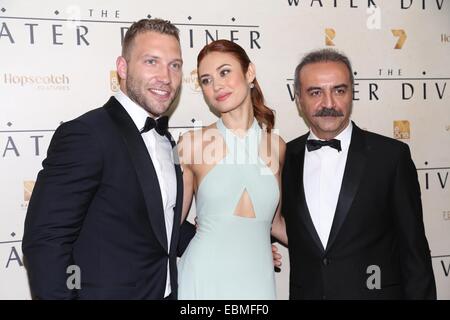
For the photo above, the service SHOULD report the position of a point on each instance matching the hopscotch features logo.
(57, 82)
(401, 35)
(445, 38)
(114, 81)
(192, 81)
(329, 36)
(402, 129)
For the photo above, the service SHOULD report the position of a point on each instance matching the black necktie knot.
(312, 144)
(160, 125)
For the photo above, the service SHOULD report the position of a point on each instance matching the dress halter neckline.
(253, 129)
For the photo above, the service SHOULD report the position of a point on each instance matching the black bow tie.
(160, 125)
(312, 144)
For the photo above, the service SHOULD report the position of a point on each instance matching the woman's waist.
(235, 230)
(237, 246)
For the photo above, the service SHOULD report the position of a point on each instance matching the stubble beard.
(133, 92)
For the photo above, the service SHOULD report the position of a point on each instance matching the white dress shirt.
(322, 179)
(160, 150)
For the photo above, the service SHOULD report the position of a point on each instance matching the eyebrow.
(147, 55)
(313, 88)
(178, 60)
(225, 64)
(342, 85)
(218, 68)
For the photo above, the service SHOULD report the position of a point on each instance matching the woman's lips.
(223, 97)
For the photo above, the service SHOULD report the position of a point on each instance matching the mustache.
(328, 112)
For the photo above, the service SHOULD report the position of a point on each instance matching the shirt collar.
(345, 136)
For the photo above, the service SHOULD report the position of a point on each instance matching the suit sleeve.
(64, 189)
(416, 268)
(187, 232)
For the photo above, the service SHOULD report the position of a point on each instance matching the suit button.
(326, 261)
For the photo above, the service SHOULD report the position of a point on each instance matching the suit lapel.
(354, 169)
(303, 207)
(179, 200)
(143, 166)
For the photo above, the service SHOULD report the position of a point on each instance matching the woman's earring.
(251, 85)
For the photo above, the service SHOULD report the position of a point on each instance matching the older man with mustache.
(351, 199)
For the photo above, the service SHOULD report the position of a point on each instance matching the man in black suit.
(351, 199)
(109, 197)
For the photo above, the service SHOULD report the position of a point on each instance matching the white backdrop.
(57, 61)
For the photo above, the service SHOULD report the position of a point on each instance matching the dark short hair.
(144, 25)
(321, 55)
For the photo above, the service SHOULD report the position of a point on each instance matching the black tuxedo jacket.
(377, 224)
(97, 204)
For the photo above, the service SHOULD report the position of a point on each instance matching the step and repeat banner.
(57, 61)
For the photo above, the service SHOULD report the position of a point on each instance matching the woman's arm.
(185, 152)
(278, 224)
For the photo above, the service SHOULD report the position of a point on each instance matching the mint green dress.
(230, 257)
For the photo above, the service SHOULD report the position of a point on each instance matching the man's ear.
(122, 66)
(251, 73)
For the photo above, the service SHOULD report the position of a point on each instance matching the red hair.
(263, 114)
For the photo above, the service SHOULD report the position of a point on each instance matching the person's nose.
(164, 74)
(328, 100)
(217, 84)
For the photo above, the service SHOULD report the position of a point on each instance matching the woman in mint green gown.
(233, 167)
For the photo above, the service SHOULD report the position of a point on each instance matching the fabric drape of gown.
(230, 257)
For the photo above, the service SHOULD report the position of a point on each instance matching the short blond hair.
(144, 25)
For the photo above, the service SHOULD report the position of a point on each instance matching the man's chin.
(156, 109)
(329, 123)
(329, 127)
